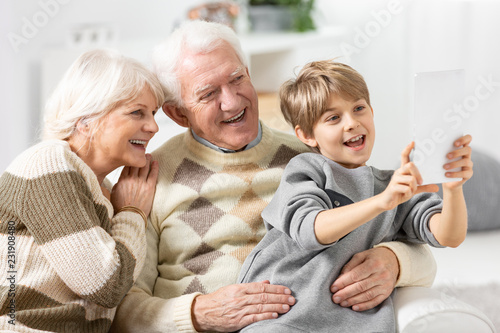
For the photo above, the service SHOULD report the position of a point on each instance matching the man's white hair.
(197, 37)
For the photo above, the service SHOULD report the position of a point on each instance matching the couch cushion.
(420, 309)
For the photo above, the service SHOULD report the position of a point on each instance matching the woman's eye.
(136, 113)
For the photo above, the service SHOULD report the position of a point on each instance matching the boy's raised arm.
(450, 227)
(404, 185)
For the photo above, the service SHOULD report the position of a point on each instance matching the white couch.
(474, 267)
(465, 296)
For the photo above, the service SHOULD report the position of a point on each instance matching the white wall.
(28, 27)
(417, 36)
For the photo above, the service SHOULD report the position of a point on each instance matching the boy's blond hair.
(303, 100)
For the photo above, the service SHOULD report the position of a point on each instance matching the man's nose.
(229, 99)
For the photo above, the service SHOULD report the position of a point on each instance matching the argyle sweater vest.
(207, 209)
(65, 261)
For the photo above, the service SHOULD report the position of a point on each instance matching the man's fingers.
(259, 308)
(351, 290)
(364, 305)
(352, 272)
(266, 287)
(271, 295)
(355, 261)
(253, 318)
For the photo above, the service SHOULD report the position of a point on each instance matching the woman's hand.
(136, 187)
(235, 306)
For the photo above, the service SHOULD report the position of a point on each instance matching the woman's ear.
(83, 128)
(176, 114)
(308, 140)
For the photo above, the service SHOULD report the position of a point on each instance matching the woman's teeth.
(235, 118)
(138, 142)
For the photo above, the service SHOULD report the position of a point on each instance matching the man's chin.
(238, 144)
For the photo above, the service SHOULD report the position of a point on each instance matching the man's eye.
(207, 95)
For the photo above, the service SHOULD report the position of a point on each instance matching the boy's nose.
(351, 123)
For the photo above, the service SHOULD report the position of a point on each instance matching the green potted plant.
(268, 15)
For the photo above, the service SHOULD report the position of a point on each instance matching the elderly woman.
(71, 247)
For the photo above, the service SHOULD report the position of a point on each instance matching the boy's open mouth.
(355, 142)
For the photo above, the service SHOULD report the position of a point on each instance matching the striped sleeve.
(97, 258)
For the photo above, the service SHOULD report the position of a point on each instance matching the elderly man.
(213, 183)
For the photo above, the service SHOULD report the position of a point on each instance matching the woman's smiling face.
(122, 136)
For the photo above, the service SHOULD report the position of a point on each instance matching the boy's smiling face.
(345, 132)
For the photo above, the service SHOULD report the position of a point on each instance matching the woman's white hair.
(95, 84)
(192, 36)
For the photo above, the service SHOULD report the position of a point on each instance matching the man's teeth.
(355, 139)
(230, 120)
(138, 142)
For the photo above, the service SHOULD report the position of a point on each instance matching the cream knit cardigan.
(204, 222)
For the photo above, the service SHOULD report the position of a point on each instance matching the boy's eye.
(332, 118)
(359, 108)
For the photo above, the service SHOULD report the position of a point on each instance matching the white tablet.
(437, 95)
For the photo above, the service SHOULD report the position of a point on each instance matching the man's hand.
(236, 306)
(366, 280)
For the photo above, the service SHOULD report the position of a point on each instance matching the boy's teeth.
(138, 142)
(355, 139)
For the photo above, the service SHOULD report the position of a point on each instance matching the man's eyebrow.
(237, 71)
(200, 90)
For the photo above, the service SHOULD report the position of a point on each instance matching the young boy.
(330, 205)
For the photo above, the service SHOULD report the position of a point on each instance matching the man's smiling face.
(219, 98)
